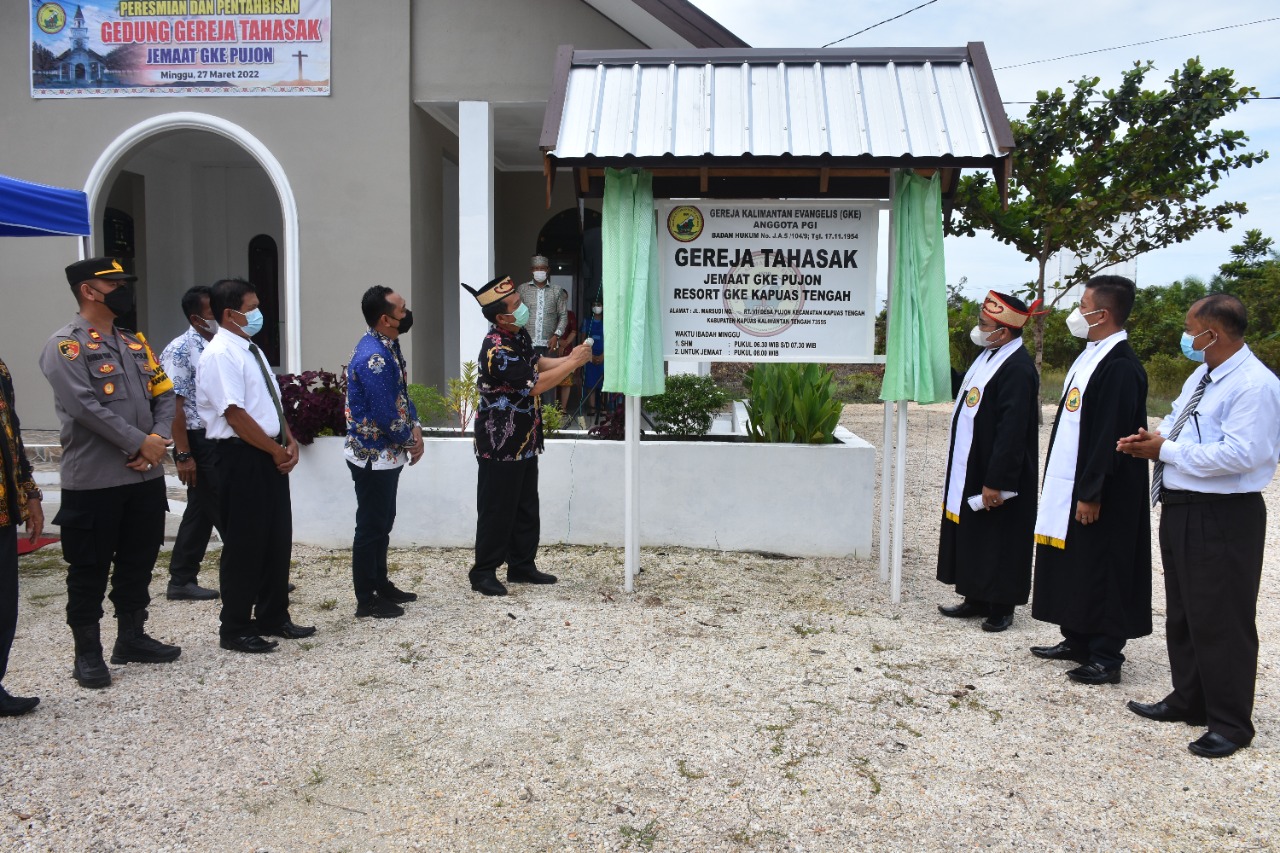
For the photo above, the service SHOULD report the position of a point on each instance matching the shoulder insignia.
(109, 388)
(70, 350)
(106, 368)
(93, 333)
(136, 347)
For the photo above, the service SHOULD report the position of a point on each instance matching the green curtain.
(917, 353)
(629, 269)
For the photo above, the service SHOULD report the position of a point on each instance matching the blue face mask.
(1188, 347)
(254, 322)
(520, 316)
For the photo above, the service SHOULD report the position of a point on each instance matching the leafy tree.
(1158, 314)
(1253, 275)
(1110, 175)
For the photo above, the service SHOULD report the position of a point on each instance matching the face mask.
(520, 316)
(210, 326)
(254, 322)
(1078, 325)
(119, 301)
(1189, 350)
(405, 322)
(981, 340)
(597, 310)
(539, 276)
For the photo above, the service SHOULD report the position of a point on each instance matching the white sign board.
(776, 280)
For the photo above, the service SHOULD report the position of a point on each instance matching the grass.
(644, 837)
(41, 563)
(329, 604)
(682, 768)
(1160, 392)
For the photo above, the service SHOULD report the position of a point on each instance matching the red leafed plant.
(314, 403)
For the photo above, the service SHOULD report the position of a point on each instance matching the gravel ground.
(734, 702)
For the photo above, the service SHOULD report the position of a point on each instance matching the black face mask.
(119, 301)
(405, 322)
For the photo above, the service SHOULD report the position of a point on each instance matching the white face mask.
(210, 326)
(1078, 325)
(539, 276)
(981, 340)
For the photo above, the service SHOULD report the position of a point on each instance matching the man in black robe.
(987, 552)
(1093, 530)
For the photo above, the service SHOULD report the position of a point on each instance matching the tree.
(1253, 276)
(1111, 175)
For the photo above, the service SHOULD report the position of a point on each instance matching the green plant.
(464, 395)
(687, 405)
(432, 407)
(1165, 374)
(791, 403)
(859, 388)
(552, 420)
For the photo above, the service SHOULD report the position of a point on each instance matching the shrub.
(1166, 374)
(859, 388)
(314, 403)
(464, 395)
(552, 420)
(687, 406)
(433, 409)
(791, 403)
(614, 425)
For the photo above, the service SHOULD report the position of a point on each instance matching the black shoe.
(396, 596)
(487, 584)
(1213, 745)
(1062, 651)
(16, 706)
(379, 608)
(90, 670)
(529, 576)
(963, 610)
(1162, 713)
(133, 645)
(249, 643)
(189, 592)
(995, 624)
(290, 631)
(292, 588)
(1094, 673)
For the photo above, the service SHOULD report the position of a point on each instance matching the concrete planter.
(798, 499)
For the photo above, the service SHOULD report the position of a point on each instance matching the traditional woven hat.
(1001, 309)
(494, 291)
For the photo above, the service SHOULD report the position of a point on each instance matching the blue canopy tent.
(35, 210)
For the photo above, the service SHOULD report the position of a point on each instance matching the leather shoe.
(249, 643)
(963, 610)
(529, 576)
(1062, 651)
(1213, 745)
(379, 608)
(1162, 713)
(290, 631)
(996, 624)
(487, 584)
(1094, 673)
(16, 706)
(396, 596)
(189, 592)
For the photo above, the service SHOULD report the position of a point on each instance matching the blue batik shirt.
(380, 416)
(179, 360)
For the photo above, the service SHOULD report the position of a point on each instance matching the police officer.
(115, 405)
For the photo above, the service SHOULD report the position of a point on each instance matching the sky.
(1026, 31)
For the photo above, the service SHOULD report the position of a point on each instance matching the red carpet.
(25, 546)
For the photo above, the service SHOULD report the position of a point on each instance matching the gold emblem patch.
(93, 333)
(135, 347)
(685, 223)
(971, 399)
(109, 388)
(106, 368)
(70, 350)
(92, 345)
(1073, 399)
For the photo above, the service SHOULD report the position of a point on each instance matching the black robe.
(1101, 582)
(987, 555)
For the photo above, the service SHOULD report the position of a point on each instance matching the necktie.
(271, 388)
(1157, 471)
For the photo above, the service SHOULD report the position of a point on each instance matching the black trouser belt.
(1174, 496)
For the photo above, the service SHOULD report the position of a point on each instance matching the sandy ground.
(734, 702)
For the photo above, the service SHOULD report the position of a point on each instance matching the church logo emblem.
(51, 18)
(685, 223)
(70, 350)
(1073, 400)
(971, 399)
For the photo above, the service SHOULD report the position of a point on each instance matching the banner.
(776, 280)
(150, 48)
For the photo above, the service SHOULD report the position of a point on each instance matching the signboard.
(152, 48)
(776, 280)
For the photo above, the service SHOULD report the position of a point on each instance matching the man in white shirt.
(239, 401)
(1215, 453)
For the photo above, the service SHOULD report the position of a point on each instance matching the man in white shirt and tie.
(238, 399)
(1214, 454)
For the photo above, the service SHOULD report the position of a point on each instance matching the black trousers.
(121, 526)
(257, 540)
(8, 593)
(1212, 556)
(375, 516)
(202, 515)
(1103, 649)
(507, 523)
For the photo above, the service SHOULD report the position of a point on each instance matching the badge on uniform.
(93, 333)
(135, 347)
(70, 350)
(109, 388)
(92, 345)
(106, 368)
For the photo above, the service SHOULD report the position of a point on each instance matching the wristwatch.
(181, 456)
